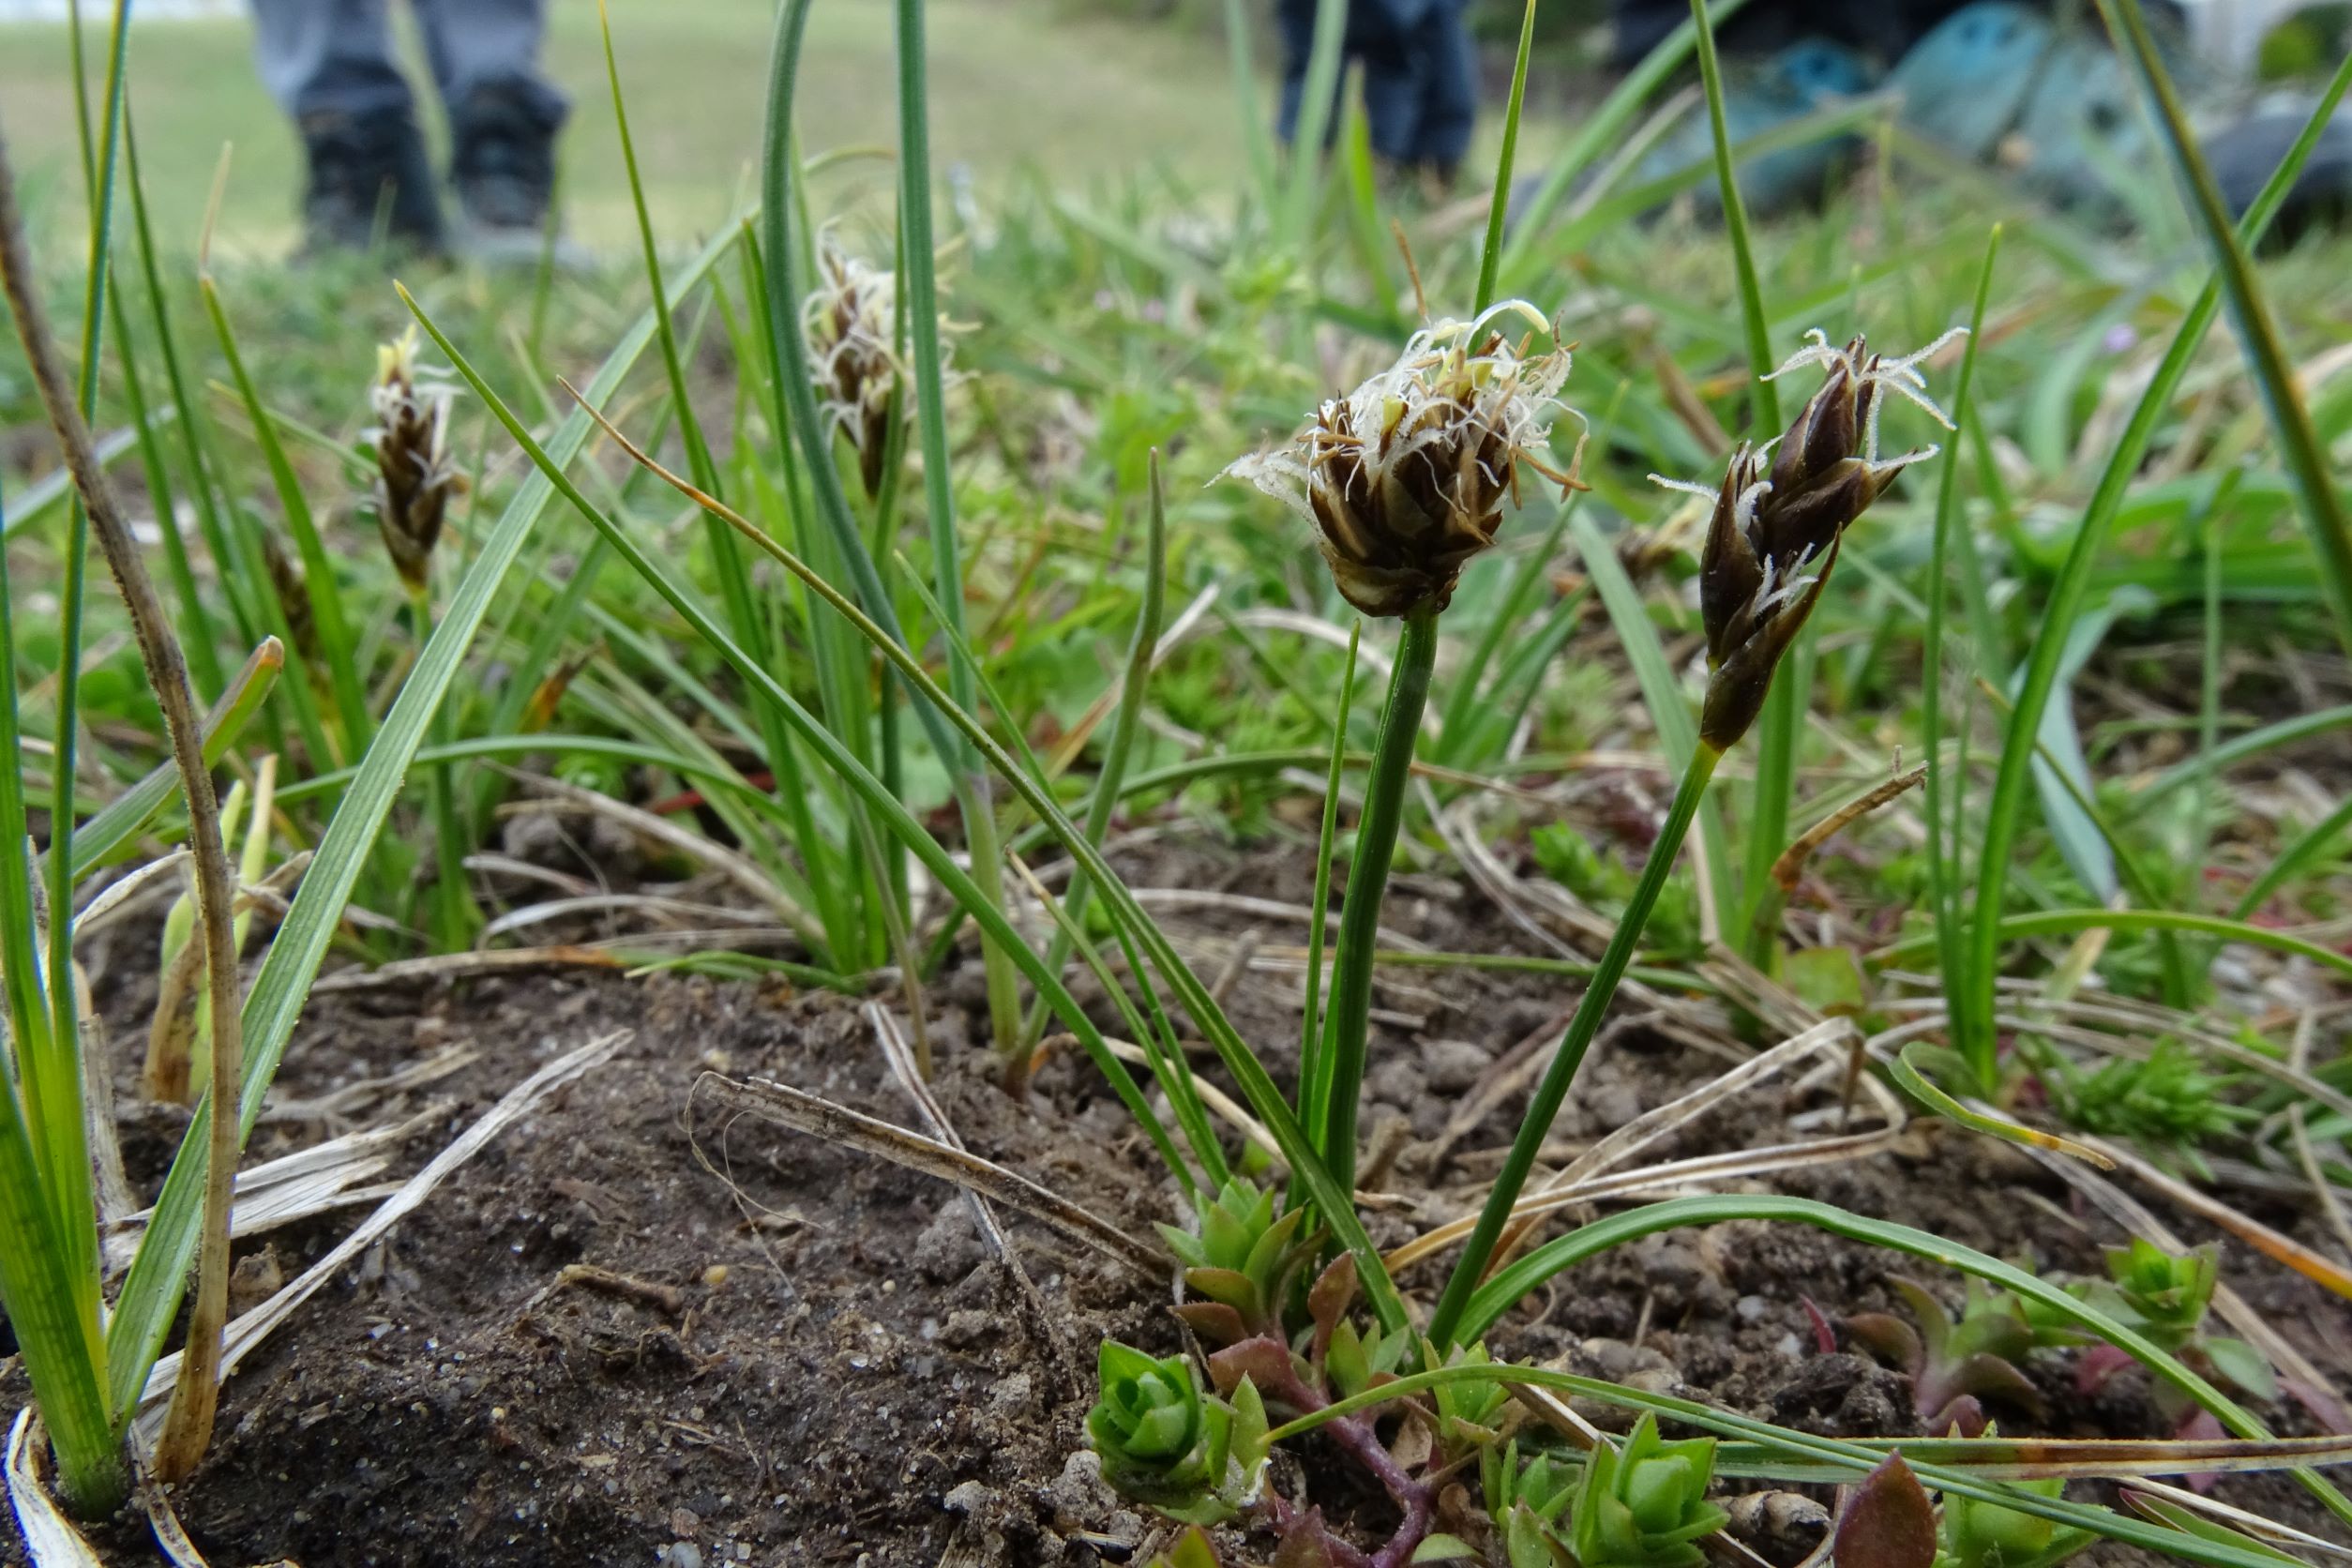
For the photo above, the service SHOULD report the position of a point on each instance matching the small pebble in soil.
(948, 1246)
(1453, 1066)
(1781, 1526)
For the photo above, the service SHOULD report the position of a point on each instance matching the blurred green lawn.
(1012, 82)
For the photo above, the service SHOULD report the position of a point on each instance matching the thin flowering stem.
(1342, 1057)
(1535, 1127)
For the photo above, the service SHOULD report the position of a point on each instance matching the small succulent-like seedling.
(1359, 1360)
(2166, 1297)
(415, 480)
(1163, 1442)
(1988, 1535)
(1528, 1502)
(1189, 1550)
(1470, 1413)
(1956, 1365)
(1405, 477)
(849, 322)
(1244, 1261)
(2162, 1294)
(1773, 538)
(1645, 1505)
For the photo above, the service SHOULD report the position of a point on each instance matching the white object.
(2228, 33)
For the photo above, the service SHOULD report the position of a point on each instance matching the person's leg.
(1296, 20)
(504, 112)
(1449, 91)
(330, 66)
(319, 56)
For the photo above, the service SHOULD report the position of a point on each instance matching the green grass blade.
(1446, 1322)
(104, 834)
(2307, 848)
(1605, 128)
(1318, 95)
(889, 811)
(50, 1067)
(1513, 1284)
(2254, 743)
(1314, 1068)
(2042, 922)
(187, 424)
(734, 580)
(2307, 461)
(2004, 813)
(780, 246)
(1661, 690)
(1256, 142)
(921, 269)
(1134, 688)
(201, 639)
(150, 1295)
(54, 1316)
(318, 570)
(1499, 205)
(1946, 876)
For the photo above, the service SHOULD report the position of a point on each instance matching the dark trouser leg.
(330, 66)
(1449, 90)
(504, 112)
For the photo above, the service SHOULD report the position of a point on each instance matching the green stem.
(1313, 1084)
(1499, 205)
(1141, 649)
(939, 500)
(1367, 880)
(1537, 1123)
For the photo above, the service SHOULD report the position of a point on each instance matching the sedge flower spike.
(414, 480)
(850, 323)
(1780, 515)
(1405, 477)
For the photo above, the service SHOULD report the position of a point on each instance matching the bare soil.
(816, 1363)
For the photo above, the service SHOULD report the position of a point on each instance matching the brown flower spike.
(1405, 477)
(849, 323)
(1773, 539)
(414, 480)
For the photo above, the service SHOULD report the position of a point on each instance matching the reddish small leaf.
(1824, 1335)
(1888, 1521)
(1329, 1299)
(1214, 1321)
(1264, 1360)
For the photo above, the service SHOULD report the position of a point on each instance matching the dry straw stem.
(189, 1427)
(1791, 864)
(819, 1118)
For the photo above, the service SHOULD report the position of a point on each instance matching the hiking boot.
(502, 160)
(369, 179)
